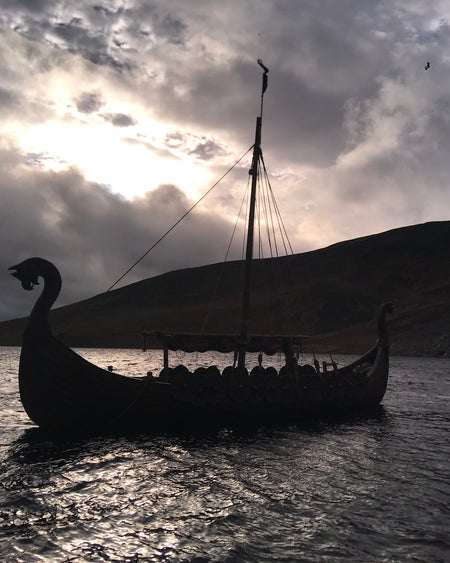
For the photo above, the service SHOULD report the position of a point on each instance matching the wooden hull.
(62, 391)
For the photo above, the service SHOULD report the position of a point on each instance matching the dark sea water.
(366, 489)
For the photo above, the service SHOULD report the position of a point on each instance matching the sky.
(117, 115)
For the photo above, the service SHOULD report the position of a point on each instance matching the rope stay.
(281, 225)
(219, 279)
(276, 239)
(271, 233)
(177, 222)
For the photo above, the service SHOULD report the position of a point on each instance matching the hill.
(331, 294)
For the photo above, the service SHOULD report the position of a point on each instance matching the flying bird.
(427, 66)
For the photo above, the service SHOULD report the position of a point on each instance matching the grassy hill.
(331, 294)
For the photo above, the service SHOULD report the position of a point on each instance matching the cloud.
(120, 120)
(355, 131)
(92, 234)
(208, 150)
(7, 98)
(89, 102)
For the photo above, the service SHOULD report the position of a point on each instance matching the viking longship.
(61, 391)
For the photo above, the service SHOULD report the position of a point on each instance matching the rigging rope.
(87, 303)
(277, 238)
(282, 227)
(177, 222)
(268, 218)
(208, 312)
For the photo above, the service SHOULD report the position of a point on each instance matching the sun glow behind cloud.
(108, 155)
(117, 142)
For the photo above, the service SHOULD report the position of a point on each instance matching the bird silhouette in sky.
(427, 66)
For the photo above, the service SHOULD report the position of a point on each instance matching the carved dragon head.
(26, 272)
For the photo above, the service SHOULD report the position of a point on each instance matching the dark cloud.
(154, 21)
(208, 150)
(36, 6)
(98, 33)
(120, 120)
(204, 149)
(89, 102)
(74, 29)
(106, 11)
(172, 29)
(8, 98)
(79, 37)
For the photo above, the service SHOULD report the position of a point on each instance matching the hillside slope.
(330, 293)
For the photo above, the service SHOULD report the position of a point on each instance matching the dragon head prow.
(27, 272)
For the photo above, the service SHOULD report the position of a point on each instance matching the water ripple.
(373, 489)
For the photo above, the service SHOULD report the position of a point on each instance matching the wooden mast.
(250, 230)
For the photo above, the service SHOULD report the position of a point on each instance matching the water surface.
(361, 489)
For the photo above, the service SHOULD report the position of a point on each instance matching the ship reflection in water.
(365, 489)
